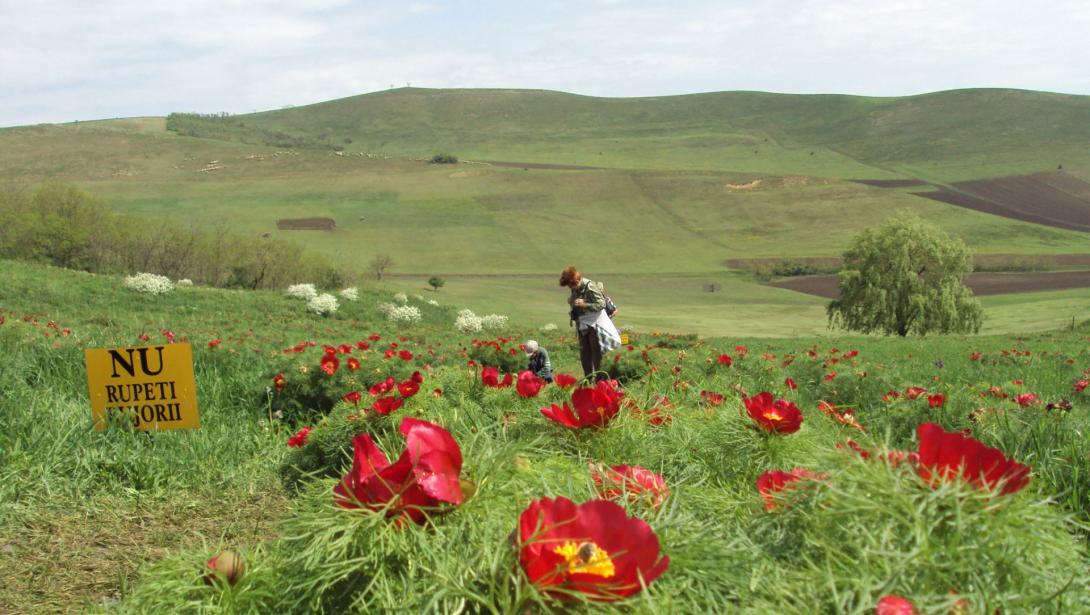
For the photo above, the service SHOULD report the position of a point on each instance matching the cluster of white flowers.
(149, 283)
(351, 293)
(404, 315)
(433, 302)
(306, 292)
(184, 282)
(400, 314)
(549, 327)
(468, 322)
(323, 304)
(401, 298)
(493, 322)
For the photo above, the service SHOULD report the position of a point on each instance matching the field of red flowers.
(423, 471)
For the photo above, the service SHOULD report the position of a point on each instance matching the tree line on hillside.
(58, 224)
(226, 127)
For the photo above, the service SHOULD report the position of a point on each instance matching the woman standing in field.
(597, 335)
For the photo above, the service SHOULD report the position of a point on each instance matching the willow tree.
(906, 276)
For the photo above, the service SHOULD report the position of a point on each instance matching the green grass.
(682, 190)
(982, 132)
(151, 508)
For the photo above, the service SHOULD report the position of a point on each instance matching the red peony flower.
(771, 483)
(831, 376)
(362, 345)
(374, 337)
(344, 349)
(936, 401)
(437, 393)
(594, 549)
(213, 343)
(382, 387)
(1026, 399)
(389, 354)
(844, 417)
(1081, 385)
(329, 364)
(593, 407)
(279, 381)
(565, 380)
(741, 351)
(300, 437)
(894, 605)
(408, 388)
(632, 483)
(713, 398)
(405, 355)
(529, 385)
(353, 397)
(660, 411)
(774, 416)
(914, 392)
(490, 376)
(417, 377)
(944, 455)
(724, 359)
(386, 405)
(353, 363)
(424, 477)
(976, 356)
(789, 383)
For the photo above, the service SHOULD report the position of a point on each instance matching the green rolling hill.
(680, 184)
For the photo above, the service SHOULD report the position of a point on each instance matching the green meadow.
(682, 184)
(120, 521)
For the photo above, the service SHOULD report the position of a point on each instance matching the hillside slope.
(949, 135)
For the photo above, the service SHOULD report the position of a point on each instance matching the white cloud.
(71, 60)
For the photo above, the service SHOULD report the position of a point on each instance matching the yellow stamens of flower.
(586, 558)
(772, 415)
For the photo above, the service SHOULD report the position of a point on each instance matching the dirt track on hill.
(890, 183)
(535, 165)
(981, 283)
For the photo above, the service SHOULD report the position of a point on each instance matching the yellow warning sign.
(624, 339)
(151, 386)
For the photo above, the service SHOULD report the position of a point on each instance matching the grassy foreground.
(123, 522)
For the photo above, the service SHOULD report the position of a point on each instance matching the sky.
(62, 61)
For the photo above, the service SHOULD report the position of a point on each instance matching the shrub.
(149, 283)
(444, 159)
(323, 305)
(186, 282)
(493, 322)
(404, 314)
(306, 292)
(351, 294)
(401, 298)
(468, 322)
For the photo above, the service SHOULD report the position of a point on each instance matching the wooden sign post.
(151, 386)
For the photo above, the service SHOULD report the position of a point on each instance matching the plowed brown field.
(1052, 199)
(306, 224)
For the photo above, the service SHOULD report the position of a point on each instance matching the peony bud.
(228, 565)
